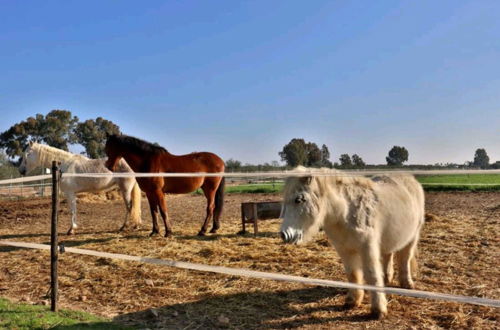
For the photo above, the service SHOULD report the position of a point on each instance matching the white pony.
(366, 220)
(42, 155)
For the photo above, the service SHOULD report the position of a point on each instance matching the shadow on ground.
(277, 309)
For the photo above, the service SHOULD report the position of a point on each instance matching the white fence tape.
(274, 174)
(270, 276)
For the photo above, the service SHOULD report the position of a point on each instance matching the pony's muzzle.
(293, 237)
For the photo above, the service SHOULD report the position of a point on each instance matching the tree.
(299, 152)
(233, 165)
(358, 161)
(481, 159)
(55, 129)
(345, 160)
(295, 153)
(397, 156)
(92, 134)
(7, 169)
(314, 155)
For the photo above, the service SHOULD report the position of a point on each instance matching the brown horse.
(143, 156)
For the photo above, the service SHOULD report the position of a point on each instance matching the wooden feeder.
(251, 212)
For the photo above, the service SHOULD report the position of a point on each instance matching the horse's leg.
(153, 206)
(71, 200)
(126, 199)
(126, 192)
(354, 270)
(219, 204)
(374, 275)
(388, 265)
(164, 214)
(406, 259)
(210, 195)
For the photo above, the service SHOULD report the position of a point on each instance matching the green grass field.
(468, 182)
(456, 182)
(24, 316)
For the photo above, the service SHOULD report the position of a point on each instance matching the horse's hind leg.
(353, 269)
(210, 195)
(153, 206)
(71, 200)
(407, 261)
(162, 203)
(388, 265)
(126, 192)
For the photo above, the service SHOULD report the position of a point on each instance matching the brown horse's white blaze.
(143, 156)
(366, 220)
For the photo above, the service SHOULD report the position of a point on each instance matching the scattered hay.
(458, 254)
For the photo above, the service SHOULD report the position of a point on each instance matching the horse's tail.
(135, 207)
(219, 199)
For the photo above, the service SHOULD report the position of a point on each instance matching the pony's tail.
(219, 200)
(135, 207)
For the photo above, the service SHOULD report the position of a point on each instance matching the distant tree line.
(299, 152)
(59, 128)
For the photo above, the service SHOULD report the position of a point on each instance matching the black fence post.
(54, 253)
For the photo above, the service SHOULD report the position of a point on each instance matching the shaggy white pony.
(366, 220)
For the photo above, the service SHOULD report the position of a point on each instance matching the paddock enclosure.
(458, 254)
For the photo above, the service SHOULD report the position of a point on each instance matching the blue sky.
(242, 78)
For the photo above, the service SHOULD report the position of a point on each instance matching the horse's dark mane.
(136, 144)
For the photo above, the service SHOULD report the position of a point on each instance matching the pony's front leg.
(373, 274)
(71, 200)
(354, 270)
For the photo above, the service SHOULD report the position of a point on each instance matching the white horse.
(42, 155)
(366, 220)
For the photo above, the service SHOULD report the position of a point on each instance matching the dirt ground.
(458, 254)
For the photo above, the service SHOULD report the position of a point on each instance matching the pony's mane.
(46, 154)
(337, 179)
(136, 144)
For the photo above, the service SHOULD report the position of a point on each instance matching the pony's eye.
(299, 199)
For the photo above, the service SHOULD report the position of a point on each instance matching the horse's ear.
(306, 180)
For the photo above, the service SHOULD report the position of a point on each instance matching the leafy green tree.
(233, 165)
(55, 129)
(92, 134)
(7, 169)
(295, 153)
(397, 156)
(481, 159)
(358, 161)
(299, 152)
(314, 155)
(345, 160)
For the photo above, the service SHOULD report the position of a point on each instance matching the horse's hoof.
(213, 231)
(71, 232)
(351, 303)
(408, 285)
(154, 233)
(122, 228)
(201, 233)
(168, 234)
(378, 314)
